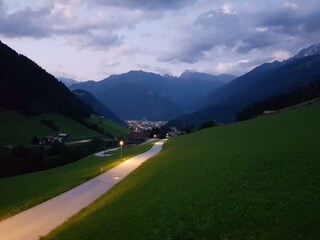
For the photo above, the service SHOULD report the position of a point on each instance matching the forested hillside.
(27, 87)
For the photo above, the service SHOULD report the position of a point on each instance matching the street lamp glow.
(121, 144)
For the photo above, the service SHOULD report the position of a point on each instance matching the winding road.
(43, 218)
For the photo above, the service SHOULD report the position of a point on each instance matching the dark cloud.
(216, 20)
(210, 29)
(100, 40)
(229, 30)
(46, 22)
(26, 22)
(144, 4)
(244, 32)
(292, 22)
(256, 40)
(2, 8)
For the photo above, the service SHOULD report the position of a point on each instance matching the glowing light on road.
(121, 143)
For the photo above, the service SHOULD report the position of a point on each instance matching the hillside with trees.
(133, 101)
(28, 88)
(97, 106)
(276, 103)
(184, 90)
(266, 80)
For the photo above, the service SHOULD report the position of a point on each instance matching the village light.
(121, 144)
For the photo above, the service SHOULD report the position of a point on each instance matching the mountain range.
(97, 106)
(172, 95)
(133, 101)
(67, 81)
(268, 79)
(27, 87)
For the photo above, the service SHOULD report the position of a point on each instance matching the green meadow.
(110, 126)
(115, 129)
(258, 179)
(16, 128)
(24, 191)
(68, 125)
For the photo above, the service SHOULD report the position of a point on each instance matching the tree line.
(276, 103)
(22, 159)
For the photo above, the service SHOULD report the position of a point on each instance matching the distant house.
(46, 140)
(137, 137)
(171, 134)
(63, 135)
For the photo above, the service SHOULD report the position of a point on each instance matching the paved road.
(150, 140)
(77, 142)
(103, 153)
(43, 218)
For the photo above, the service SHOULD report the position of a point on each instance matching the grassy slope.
(115, 129)
(257, 179)
(21, 192)
(73, 128)
(16, 128)
(112, 127)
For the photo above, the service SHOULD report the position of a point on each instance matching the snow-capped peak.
(309, 51)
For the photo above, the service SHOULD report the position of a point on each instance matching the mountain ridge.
(308, 51)
(183, 90)
(97, 106)
(123, 99)
(268, 79)
(67, 81)
(27, 87)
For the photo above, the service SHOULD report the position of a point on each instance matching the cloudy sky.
(91, 39)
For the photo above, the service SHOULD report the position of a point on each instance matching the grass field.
(258, 179)
(111, 127)
(21, 192)
(16, 128)
(115, 129)
(73, 128)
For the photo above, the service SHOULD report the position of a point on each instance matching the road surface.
(78, 142)
(43, 218)
(103, 153)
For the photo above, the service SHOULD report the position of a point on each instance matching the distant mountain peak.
(188, 73)
(136, 71)
(67, 81)
(309, 51)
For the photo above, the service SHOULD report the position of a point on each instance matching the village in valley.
(139, 125)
